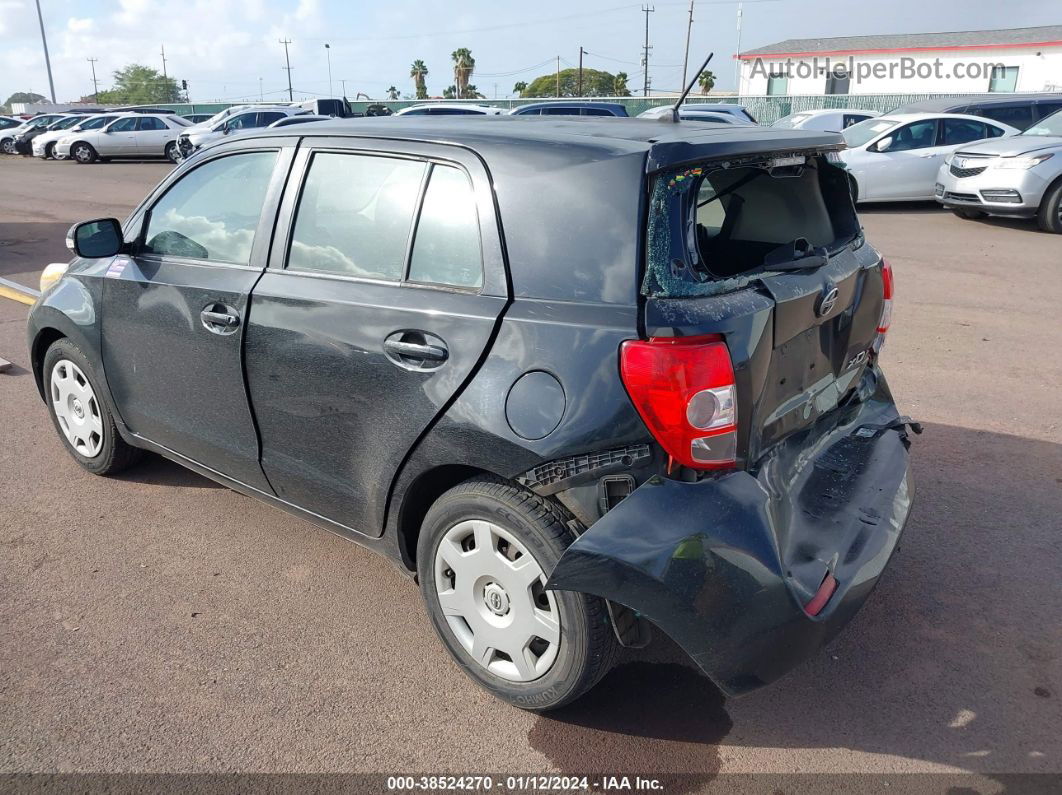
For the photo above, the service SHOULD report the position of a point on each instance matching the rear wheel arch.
(418, 498)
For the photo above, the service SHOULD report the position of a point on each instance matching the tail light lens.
(683, 388)
(886, 308)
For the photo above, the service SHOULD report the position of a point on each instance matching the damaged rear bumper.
(726, 566)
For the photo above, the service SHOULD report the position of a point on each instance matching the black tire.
(83, 153)
(49, 151)
(7, 146)
(587, 646)
(173, 152)
(115, 453)
(853, 186)
(1049, 216)
(968, 214)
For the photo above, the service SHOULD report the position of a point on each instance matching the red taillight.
(886, 308)
(822, 596)
(683, 387)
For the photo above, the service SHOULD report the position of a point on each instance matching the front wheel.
(1050, 215)
(483, 556)
(82, 419)
(83, 153)
(7, 146)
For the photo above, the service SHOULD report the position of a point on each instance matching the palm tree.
(707, 81)
(464, 63)
(519, 87)
(392, 93)
(418, 71)
(619, 85)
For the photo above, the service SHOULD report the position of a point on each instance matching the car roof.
(904, 118)
(977, 99)
(571, 103)
(448, 105)
(584, 137)
(823, 111)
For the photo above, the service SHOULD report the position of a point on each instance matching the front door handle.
(416, 350)
(220, 319)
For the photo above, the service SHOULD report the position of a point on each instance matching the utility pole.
(287, 67)
(95, 83)
(737, 55)
(645, 57)
(344, 84)
(686, 57)
(328, 55)
(47, 60)
(580, 90)
(261, 95)
(162, 52)
(558, 75)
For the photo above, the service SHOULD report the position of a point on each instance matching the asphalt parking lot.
(158, 622)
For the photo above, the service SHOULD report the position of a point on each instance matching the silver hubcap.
(76, 408)
(492, 593)
(82, 153)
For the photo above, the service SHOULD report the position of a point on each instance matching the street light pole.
(328, 54)
(47, 60)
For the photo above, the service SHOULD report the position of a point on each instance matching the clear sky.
(223, 47)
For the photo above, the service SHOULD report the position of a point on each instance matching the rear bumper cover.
(724, 566)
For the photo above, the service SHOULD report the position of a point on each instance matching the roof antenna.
(696, 76)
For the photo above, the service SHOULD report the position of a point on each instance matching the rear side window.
(212, 212)
(961, 131)
(446, 248)
(151, 123)
(265, 119)
(355, 215)
(1020, 116)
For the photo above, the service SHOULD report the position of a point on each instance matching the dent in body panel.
(724, 565)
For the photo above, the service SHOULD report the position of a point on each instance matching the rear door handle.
(416, 350)
(220, 319)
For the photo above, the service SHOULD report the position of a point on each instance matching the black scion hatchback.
(578, 376)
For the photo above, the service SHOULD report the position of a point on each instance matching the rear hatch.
(765, 254)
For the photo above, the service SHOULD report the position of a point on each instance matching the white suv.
(249, 119)
(139, 135)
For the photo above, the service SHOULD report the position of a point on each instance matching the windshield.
(1052, 125)
(858, 134)
(791, 121)
(62, 124)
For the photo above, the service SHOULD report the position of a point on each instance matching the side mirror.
(96, 239)
(883, 144)
(226, 130)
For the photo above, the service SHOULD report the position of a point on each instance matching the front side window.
(917, 135)
(446, 247)
(1003, 79)
(212, 212)
(95, 124)
(127, 124)
(355, 215)
(241, 122)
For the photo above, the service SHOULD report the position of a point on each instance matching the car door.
(151, 136)
(908, 168)
(175, 310)
(119, 138)
(382, 291)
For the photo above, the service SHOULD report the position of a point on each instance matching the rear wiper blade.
(797, 255)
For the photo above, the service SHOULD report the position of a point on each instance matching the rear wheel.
(483, 555)
(82, 419)
(968, 214)
(173, 153)
(83, 153)
(1049, 216)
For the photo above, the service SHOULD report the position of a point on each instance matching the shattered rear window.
(715, 226)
